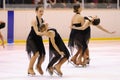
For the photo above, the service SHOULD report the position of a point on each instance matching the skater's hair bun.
(40, 6)
(76, 7)
(96, 21)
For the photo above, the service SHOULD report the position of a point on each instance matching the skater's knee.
(66, 56)
(58, 56)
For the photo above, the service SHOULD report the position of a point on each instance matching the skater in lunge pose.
(57, 48)
(34, 43)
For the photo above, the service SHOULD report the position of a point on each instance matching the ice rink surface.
(104, 63)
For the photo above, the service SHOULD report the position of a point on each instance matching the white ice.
(104, 63)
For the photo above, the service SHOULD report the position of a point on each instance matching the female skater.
(2, 25)
(34, 43)
(80, 36)
(57, 48)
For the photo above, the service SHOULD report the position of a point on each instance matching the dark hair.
(2, 25)
(96, 21)
(76, 7)
(40, 6)
(42, 27)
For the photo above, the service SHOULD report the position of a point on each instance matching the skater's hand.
(112, 32)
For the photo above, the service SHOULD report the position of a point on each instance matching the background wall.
(60, 19)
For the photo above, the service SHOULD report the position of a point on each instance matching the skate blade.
(50, 72)
(72, 63)
(57, 73)
(31, 75)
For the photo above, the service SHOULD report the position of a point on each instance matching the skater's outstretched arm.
(105, 30)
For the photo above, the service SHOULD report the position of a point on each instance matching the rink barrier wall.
(18, 28)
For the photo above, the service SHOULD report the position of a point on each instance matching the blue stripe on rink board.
(10, 31)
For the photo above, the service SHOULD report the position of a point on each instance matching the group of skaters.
(58, 52)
